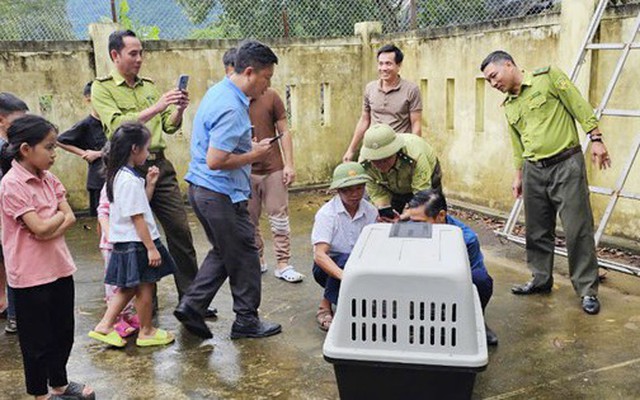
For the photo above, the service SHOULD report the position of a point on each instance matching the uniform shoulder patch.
(144, 78)
(104, 78)
(541, 71)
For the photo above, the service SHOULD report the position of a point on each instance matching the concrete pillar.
(575, 18)
(99, 34)
(368, 60)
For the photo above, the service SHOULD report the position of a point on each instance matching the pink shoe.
(124, 329)
(133, 320)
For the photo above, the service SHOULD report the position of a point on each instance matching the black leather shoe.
(591, 305)
(492, 338)
(192, 321)
(257, 329)
(211, 312)
(530, 288)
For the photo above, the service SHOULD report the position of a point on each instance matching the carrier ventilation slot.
(373, 332)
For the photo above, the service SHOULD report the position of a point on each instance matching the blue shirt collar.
(243, 97)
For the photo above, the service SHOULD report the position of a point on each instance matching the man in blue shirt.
(431, 206)
(219, 176)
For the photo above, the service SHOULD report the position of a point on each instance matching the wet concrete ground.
(549, 348)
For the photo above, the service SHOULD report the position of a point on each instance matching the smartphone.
(387, 212)
(183, 81)
(275, 138)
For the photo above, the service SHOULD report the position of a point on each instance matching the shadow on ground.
(549, 349)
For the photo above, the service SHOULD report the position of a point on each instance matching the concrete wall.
(462, 116)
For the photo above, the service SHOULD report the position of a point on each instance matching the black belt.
(156, 156)
(553, 160)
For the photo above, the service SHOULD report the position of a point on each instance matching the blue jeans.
(331, 285)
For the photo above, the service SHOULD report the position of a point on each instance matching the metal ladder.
(617, 192)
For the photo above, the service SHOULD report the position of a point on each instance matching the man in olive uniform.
(399, 164)
(125, 96)
(541, 109)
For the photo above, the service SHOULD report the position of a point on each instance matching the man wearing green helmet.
(399, 165)
(336, 228)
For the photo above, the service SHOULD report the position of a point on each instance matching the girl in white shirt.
(139, 259)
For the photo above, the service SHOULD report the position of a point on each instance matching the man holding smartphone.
(122, 96)
(271, 177)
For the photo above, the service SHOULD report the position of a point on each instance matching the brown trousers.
(269, 192)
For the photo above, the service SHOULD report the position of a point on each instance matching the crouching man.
(336, 228)
(431, 206)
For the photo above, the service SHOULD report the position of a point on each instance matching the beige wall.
(475, 152)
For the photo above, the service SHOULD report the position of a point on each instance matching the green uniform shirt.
(541, 117)
(410, 174)
(116, 102)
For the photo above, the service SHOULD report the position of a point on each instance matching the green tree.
(35, 20)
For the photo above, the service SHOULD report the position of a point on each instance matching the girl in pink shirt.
(34, 217)
(128, 322)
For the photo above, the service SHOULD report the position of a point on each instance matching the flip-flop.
(289, 274)
(75, 390)
(112, 338)
(160, 338)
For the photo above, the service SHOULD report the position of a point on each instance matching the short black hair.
(87, 89)
(498, 56)
(433, 199)
(391, 48)
(10, 103)
(252, 53)
(116, 40)
(229, 57)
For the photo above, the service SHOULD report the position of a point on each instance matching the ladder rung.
(606, 46)
(609, 192)
(601, 190)
(612, 46)
(621, 113)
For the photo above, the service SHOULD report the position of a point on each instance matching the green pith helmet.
(380, 141)
(348, 174)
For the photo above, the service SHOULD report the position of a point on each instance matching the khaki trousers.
(269, 191)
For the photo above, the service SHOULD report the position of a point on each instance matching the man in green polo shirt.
(541, 108)
(124, 96)
(399, 164)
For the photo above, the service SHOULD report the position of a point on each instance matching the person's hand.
(184, 102)
(288, 175)
(152, 175)
(154, 258)
(261, 148)
(91, 155)
(600, 155)
(516, 186)
(173, 96)
(348, 155)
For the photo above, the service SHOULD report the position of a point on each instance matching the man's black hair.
(116, 40)
(229, 57)
(392, 48)
(433, 199)
(496, 57)
(10, 103)
(86, 92)
(254, 54)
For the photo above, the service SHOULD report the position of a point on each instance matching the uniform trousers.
(167, 205)
(45, 330)
(560, 189)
